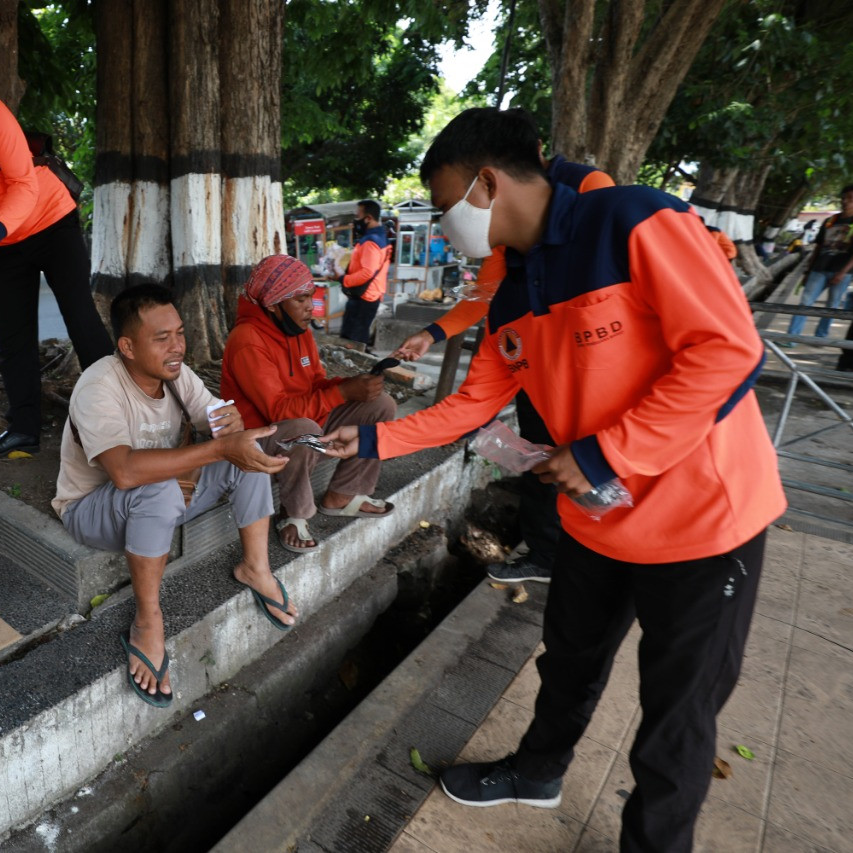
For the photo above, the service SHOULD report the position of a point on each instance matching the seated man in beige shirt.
(128, 476)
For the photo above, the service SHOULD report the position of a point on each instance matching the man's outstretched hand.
(341, 442)
(414, 346)
(241, 449)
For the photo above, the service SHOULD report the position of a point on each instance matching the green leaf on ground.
(99, 599)
(744, 752)
(418, 762)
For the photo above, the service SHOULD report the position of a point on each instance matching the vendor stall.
(321, 235)
(424, 259)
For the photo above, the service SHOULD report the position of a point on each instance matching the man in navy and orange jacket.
(366, 278)
(626, 326)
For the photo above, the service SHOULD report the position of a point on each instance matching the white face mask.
(467, 226)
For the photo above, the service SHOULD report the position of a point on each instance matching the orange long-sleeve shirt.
(370, 261)
(630, 333)
(469, 312)
(274, 377)
(31, 197)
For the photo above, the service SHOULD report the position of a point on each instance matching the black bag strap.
(41, 147)
(187, 418)
(187, 421)
(358, 290)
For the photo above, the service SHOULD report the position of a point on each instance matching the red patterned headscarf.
(276, 278)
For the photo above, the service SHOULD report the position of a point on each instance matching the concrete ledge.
(71, 710)
(435, 699)
(41, 545)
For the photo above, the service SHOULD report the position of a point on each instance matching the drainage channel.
(184, 789)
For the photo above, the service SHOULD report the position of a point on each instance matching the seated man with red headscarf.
(272, 370)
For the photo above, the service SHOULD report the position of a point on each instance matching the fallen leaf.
(99, 599)
(496, 585)
(418, 763)
(424, 524)
(784, 527)
(744, 752)
(722, 769)
(519, 595)
(19, 454)
(348, 673)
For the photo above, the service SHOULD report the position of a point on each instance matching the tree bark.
(196, 187)
(614, 73)
(252, 211)
(12, 87)
(187, 186)
(149, 251)
(114, 143)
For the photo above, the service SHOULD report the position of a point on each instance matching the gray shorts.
(143, 520)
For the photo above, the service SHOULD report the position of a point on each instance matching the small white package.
(211, 418)
(498, 443)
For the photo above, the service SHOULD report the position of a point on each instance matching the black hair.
(371, 208)
(847, 189)
(125, 308)
(487, 136)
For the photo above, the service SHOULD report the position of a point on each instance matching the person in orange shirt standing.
(39, 232)
(366, 278)
(645, 383)
(538, 521)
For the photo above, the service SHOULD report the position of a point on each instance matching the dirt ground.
(33, 479)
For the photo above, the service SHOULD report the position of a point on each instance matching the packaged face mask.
(499, 444)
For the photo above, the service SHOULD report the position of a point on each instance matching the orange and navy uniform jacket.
(274, 377)
(493, 269)
(370, 261)
(723, 241)
(31, 197)
(629, 331)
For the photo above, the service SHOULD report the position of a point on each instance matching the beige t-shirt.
(110, 410)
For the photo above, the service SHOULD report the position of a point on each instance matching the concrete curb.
(65, 732)
(42, 546)
(434, 698)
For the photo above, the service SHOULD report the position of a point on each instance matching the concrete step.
(68, 710)
(357, 790)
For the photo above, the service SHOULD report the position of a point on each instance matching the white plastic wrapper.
(474, 291)
(499, 444)
(600, 500)
(212, 417)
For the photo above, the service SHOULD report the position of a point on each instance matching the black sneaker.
(496, 782)
(10, 441)
(518, 570)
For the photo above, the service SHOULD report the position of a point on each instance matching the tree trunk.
(114, 148)
(11, 86)
(187, 186)
(614, 73)
(252, 211)
(196, 198)
(775, 208)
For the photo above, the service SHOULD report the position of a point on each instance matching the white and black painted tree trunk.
(727, 198)
(187, 188)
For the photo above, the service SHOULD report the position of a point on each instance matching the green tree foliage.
(770, 86)
(528, 78)
(57, 62)
(445, 104)
(358, 78)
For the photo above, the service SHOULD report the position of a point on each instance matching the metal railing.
(820, 381)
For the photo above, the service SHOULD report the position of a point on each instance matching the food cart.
(424, 260)
(312, 228)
